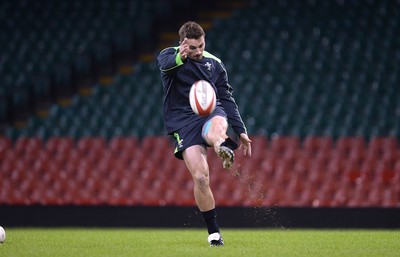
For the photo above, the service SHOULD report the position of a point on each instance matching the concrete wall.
(234, 217)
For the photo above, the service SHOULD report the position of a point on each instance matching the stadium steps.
(205, 17)
(99, 44)
(330, 104)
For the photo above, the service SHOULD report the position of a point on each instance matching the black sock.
(230, 144)
(210, 217)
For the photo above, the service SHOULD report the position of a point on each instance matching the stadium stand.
(316, 81)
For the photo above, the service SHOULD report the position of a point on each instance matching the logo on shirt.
(208, 65)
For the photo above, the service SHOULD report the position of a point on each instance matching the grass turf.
(192, 242)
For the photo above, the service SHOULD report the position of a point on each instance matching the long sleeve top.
(177, 79)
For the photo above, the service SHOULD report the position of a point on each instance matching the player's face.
(196, 48)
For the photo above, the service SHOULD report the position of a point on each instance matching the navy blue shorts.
(191, 134)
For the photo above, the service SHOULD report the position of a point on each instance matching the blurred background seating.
(317, 83)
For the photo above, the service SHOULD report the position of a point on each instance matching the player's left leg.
(195, 158)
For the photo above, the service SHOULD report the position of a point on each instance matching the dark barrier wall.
(235, 217)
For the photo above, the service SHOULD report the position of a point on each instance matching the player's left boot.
(215, 239)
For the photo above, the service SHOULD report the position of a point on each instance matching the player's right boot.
(215, 239)
(225, 152)
(227, 157)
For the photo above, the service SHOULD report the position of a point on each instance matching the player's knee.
(201, 180)
(219, 123)
(214, 129)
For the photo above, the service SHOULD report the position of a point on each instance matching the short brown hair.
(191, 30)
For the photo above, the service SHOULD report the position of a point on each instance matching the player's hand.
(183, 49)
(246, 144)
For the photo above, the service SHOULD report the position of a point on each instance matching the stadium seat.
(5, 144)
(314, 144)
(281, 143)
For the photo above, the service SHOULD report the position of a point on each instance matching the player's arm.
(232, 111)
(171, 58)
(235, 120)
(225, 95)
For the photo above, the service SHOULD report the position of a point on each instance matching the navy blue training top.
(177, 78)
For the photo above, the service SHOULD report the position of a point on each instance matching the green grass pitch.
(95, 242)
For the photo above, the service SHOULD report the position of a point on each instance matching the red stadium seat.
(391, 198)
(119, 145)
(306, 197)
(322, 199)
(20, 145)
(8, 162)
(280, 145)
(314, 146)
(60, 147)
(381, 146)
(259, 144)
(385, 175)
(5, 145)
(375, 196)
(90, 144)
(342, 196)
(359, 198)
(148, 143)
(345, 145)
(317, 173)
(282, 174)
(274, 196)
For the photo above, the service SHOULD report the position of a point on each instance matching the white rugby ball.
(2, 234)
(202, 98)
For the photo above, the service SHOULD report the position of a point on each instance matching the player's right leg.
(214, 133)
